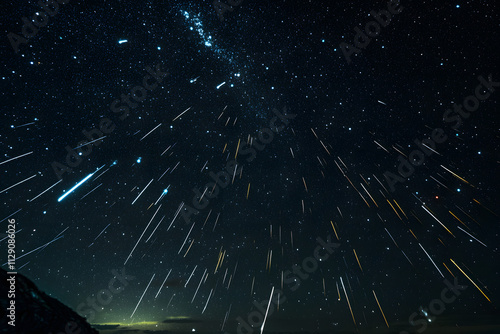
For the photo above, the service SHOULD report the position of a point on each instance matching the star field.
(174, 164)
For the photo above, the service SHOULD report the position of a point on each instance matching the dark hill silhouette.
(36, 312)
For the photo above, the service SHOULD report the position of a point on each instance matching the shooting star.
(141, 236)
(202, 276)
(19, 156)
(268, 304)
(142, 296)
(431, 260)
(31, 200)
(156, 127)
(142, 192)
(74, 188)
(182, 113)
(348, 303)
(90, 142)
(161, 286)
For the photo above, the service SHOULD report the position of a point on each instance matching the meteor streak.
(264, 322)
(19, 156)
(76, 186)
(471, 280)
(161, 286)
(43, 192)
(142, 296)
(156, 127)
(348, 303)
(431, 260)
(380, 309)
(182, 113)
(142, 191)
(437, 220)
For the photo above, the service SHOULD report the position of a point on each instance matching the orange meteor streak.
(357, 259)
(334, 230)
(394, 209)
(471, 280)
(380, 309)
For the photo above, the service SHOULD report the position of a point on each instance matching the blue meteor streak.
(76, 186)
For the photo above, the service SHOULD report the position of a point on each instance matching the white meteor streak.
(164, 192)
(472, 236)
(268, 304)
(42, 246)
(90, 191)
(142, 295)
(437, 220)
(150, 132)
(202, 276)
(44, 191)
(19, 156)
(182, 113)
(207, 301)
(161, 286)
(225, 318)
(185, 239)
(90, 142)
(142, 192)
(18, 183)
(141, 236)
(222, 84)
(156, 225)
(76, 186)
(381, 146)
(176, 214)
(190, 276)
(431, 260)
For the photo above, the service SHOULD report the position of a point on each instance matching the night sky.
(117, 116)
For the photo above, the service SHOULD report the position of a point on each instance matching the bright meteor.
(76, 186)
